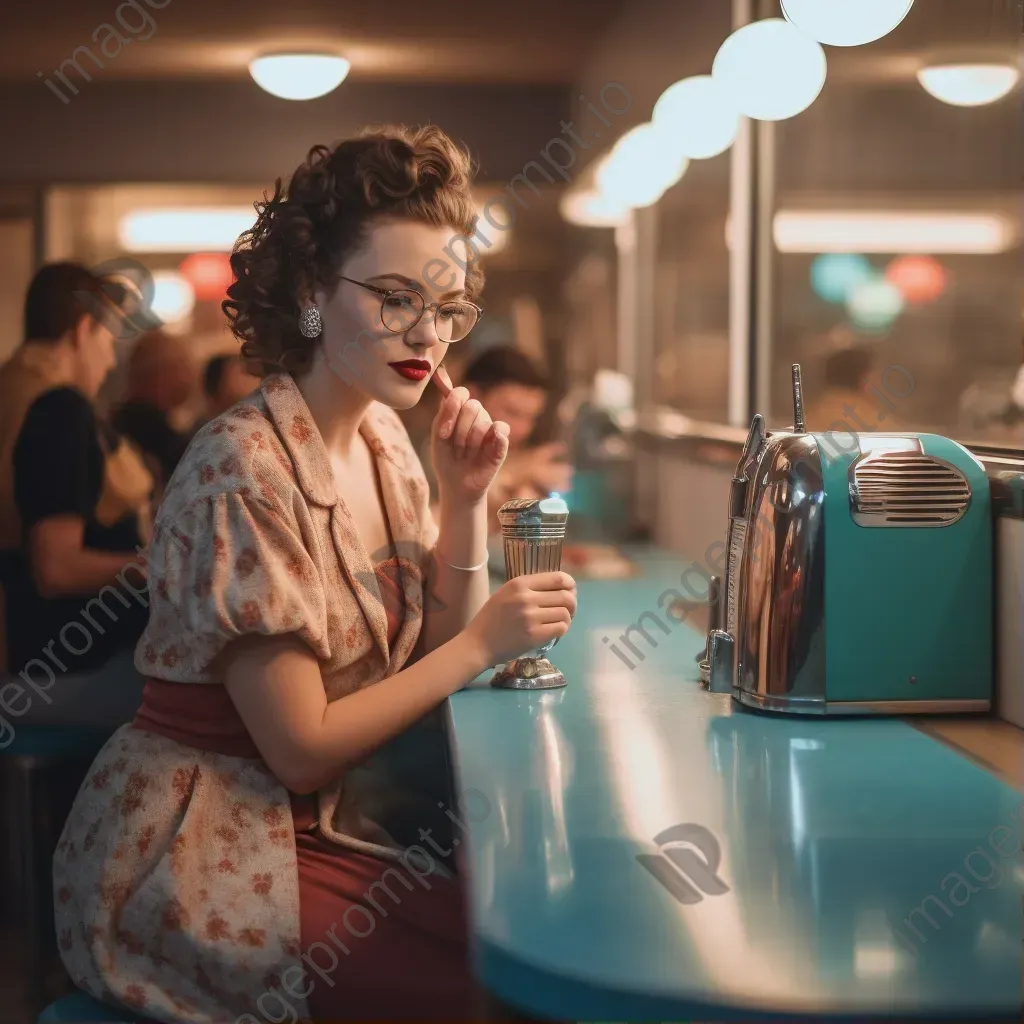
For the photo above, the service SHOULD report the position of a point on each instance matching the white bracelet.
(462, 568)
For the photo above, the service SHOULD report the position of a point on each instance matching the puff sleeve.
(226, 566)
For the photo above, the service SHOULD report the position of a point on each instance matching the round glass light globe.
(769, 70)
(641, 167)
(846, 22)
(697, 117)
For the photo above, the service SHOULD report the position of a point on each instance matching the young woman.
(216, 866)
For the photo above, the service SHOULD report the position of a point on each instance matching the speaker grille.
(907, 489)
(736, 542)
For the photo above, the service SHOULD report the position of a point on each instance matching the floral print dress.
(177, 882)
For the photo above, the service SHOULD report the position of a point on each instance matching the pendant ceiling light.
(770, 70)
(698, 117)
(846, 22)
(641, 167)
(969, 85)
(299, 76)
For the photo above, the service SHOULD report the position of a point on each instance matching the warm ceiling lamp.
(969, 85)
(299, 76)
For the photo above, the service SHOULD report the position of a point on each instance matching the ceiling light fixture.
(883, 232)
(640, 169)
(846, 22)
(969, 85)
(770, 70)
(299, 76)
(696, 116)
(184, 230)
(588, 208)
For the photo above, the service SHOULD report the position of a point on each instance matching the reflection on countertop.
(841, 845)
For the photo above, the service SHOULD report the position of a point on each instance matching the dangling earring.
(310, 324)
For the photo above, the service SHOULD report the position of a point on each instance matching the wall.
(16, 266)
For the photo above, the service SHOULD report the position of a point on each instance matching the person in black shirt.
(82, 591)
(76, 591)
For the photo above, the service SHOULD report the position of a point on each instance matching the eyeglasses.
(403, 308)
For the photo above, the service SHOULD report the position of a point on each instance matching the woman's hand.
(467, 448)
(523, 614)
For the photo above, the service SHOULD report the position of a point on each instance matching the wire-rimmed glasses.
(401, 309)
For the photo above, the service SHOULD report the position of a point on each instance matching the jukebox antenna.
(798, 400)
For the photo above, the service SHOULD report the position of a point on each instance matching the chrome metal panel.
(1010, 620)
(818, 706)
(780, 628)
(906, 488)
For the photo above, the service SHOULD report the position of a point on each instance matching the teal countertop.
(835, 837)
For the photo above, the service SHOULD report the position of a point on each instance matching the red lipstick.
(412, 369)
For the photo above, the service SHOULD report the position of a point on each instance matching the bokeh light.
(834, 276)
(875, 304)
(697, 117)
(846, 22)
(919, 278)
(590, 209)
(173, 297)
(209, 273)
(770, 70)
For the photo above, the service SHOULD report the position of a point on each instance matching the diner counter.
(838, 842)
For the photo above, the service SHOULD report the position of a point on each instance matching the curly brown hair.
(304, 232)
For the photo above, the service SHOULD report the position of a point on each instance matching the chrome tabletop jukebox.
(858, 575)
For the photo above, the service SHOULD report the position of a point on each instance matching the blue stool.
(41, 771)
(83, 1009)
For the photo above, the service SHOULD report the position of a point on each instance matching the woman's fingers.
(496, 441)
(480, 429)
(556, 599)
(449, 411)
(442, 381)
(550, 581)
(549, 616)
(468, 416)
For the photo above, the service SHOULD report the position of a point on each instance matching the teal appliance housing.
(859, 576)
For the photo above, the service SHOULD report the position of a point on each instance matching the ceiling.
(457, 41)
(535, 41)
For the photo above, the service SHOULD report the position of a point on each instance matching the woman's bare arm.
(275, 684)
(63, 566)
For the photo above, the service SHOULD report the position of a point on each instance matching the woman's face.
(392, 368)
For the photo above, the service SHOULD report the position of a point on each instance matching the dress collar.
(301, 438)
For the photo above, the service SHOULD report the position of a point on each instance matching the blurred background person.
(848, 400)
(1017, 394)
(510, 387)
(74, 502)
(162, 379)
(226, 381)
